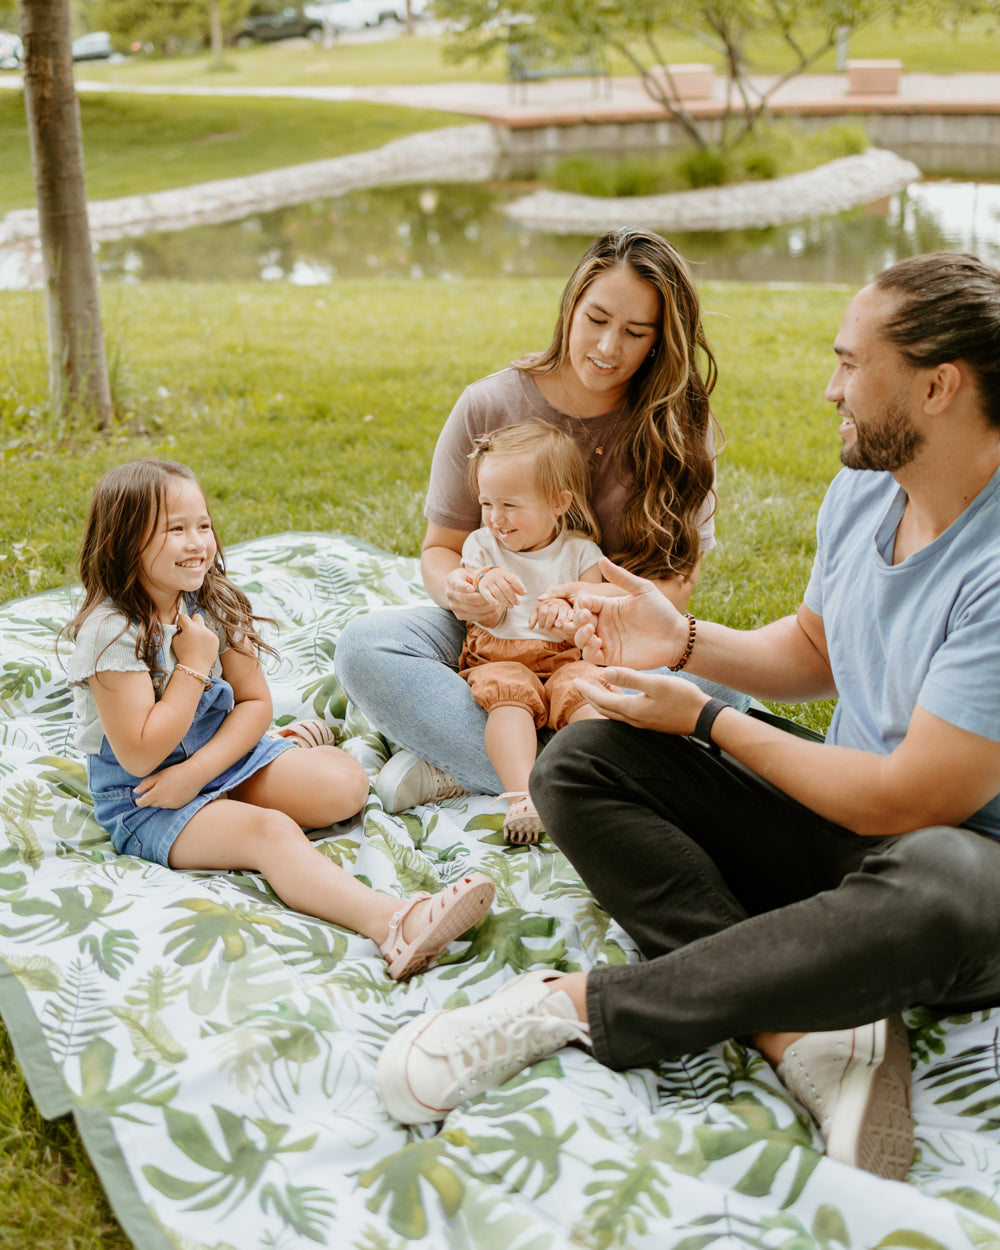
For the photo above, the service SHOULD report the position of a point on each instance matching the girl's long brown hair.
(124, 513)
(665, 446)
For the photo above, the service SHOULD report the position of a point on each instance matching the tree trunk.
(78, 371)
(215, 32)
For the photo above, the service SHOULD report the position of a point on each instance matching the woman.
(623, 377)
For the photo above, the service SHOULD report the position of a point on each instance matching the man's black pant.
(753, 913)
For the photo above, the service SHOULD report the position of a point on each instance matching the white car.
(357, 14)
(11, 50)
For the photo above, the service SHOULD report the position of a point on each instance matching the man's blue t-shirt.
(924, 631)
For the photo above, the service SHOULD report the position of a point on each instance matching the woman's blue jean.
(400, 667)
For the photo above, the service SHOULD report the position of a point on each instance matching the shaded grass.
(318, 408)
(138, 144)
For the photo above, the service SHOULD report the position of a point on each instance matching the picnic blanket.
(218, 1050)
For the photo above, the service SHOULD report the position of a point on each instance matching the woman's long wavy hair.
(557, 464)
(123, 519)
(666, 447)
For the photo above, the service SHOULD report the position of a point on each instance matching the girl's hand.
(466, 602)
(641, 627)
(195, 645)
(500, 588)
(171, 787)
(553, 614)
(668, 705)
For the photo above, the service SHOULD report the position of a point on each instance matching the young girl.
(173, 709)
(538, 531)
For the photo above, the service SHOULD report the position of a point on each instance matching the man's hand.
(668, 705)
(640, 628)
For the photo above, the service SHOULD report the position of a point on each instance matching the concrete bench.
(692, 80)
(873, 77)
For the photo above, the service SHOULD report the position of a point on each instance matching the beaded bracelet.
(692, 630)
(205, 681)
(481, 574)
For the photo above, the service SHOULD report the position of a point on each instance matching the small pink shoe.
(307, 733)
(522, 824)
(456, 908)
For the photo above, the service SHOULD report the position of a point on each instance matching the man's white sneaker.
(408, 781)
(445, 1058)
(856, 1085)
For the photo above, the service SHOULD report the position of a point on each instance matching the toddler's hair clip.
(483, 443)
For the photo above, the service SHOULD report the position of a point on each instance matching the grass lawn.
(138, 144)
(922, 47)
(318, 408)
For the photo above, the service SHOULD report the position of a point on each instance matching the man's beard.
(889, 445)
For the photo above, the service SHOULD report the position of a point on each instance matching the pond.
(458, 231)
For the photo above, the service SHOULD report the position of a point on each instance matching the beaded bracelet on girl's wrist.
(481, 574)
(205, 680)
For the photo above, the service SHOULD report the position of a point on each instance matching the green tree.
(638, 31)
(169, 25)
(77, 365)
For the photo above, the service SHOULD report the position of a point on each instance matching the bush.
(769, 153)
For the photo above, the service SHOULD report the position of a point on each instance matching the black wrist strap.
(706, 719)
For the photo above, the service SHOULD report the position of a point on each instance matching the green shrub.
(704, 167)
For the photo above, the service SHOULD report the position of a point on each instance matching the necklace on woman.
(596, 448)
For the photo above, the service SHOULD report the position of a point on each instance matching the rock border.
(830, 188)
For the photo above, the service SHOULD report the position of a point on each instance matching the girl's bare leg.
(511, 744)
(231, 835)
(316, 787)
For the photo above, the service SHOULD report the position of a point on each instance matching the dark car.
(268, 27)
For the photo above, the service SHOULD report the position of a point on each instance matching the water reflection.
(458, 231)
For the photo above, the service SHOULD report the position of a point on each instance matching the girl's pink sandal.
(522, 824)
(456, 908)
(307, 733)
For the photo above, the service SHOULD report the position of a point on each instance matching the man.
(788, 891)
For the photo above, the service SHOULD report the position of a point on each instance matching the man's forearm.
(778, 661)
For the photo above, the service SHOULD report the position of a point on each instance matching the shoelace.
(504, 1037)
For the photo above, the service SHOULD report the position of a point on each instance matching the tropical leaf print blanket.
(218, 1051)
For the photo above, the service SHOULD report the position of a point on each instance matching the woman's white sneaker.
(408, 781)
(444, 1058)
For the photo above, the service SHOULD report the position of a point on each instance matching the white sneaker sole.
(393, 1083)
(872, 1127)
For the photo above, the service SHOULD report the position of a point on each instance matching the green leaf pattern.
(231, 1044)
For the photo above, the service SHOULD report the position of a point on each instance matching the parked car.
(11, 50)
(269, 27)
(96, 46)
(357, 14)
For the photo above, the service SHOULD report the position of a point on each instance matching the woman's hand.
(172, 787)
(195, 645)
(641, 627)
(668, 705)
(462, 598)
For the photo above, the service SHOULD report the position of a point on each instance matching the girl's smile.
(181, 549)
(512, 508)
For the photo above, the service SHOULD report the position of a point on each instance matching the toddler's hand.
(501, 588)
(171, 787)
(195, 645)
(553, 614)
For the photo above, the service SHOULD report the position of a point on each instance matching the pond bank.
(469, 153)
